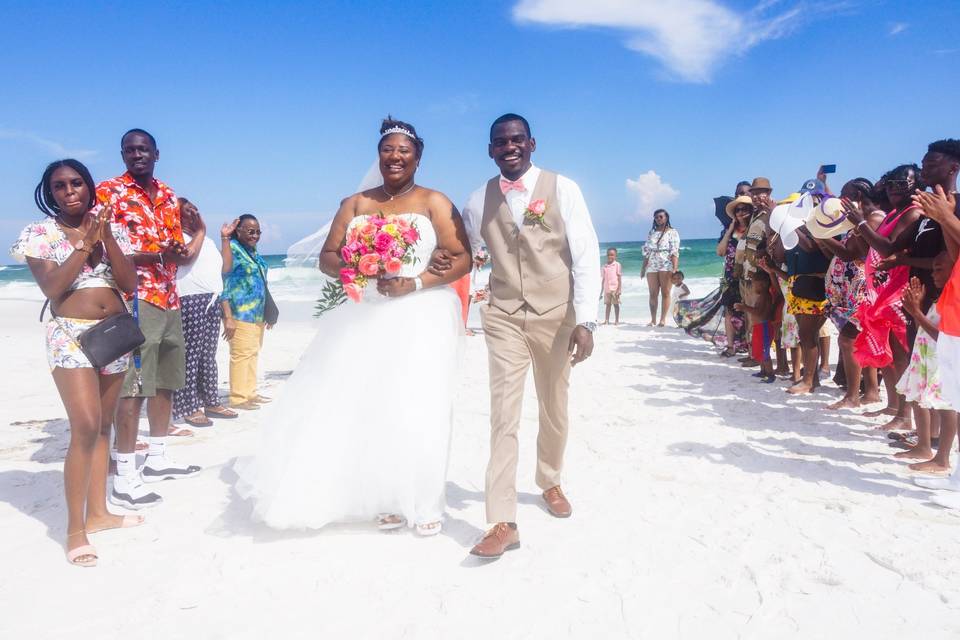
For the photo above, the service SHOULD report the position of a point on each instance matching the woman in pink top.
(882, 341)
(611, 280)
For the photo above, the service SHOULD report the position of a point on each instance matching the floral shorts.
(803, 306)
(64, 352)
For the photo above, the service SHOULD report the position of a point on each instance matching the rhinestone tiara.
(398, 129)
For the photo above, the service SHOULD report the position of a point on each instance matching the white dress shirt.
(203, 275)
(581, 237)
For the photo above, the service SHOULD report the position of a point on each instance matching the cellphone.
(828, 168)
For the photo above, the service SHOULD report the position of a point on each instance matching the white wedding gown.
(362, 427)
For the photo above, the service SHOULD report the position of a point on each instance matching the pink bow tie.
(511, 185)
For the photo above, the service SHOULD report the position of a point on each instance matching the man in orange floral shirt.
(149, 210)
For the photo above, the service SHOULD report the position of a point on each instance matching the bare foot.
(886, 411)
(869, 399)
(845, 403)
(469, 332)
(749, 362)
(781, 371)
(800, 388)
(931, 466)
(112, 521)
(895, 424)
(916, 453)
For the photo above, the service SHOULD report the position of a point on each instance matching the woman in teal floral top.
(243, 301)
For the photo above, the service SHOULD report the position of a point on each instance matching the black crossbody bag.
(109, 339)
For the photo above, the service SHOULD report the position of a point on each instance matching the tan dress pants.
(514, 342)
(244, 353)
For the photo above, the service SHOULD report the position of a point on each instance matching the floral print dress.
(920, 383)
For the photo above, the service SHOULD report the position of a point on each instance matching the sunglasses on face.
(251, 232)
(898, 185)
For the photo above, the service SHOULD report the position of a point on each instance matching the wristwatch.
(82, 246)
(417, 283)
(589, 326)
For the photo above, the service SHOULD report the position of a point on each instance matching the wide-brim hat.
(813, 186)
(760, 183)
(827, 219)
(733, 204)
(787, 217)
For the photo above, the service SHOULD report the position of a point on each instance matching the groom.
(544, 286)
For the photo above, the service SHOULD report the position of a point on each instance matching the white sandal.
(389, 521)
(428, 529)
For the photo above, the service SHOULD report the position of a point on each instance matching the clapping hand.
(892, 260)
(937, 206)
(852, 211)
(913, 297)
(99, 225)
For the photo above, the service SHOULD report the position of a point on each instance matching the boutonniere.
(535, 212)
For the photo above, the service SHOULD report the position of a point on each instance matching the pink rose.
(383, 242)
(353, 292)
(538, 207)
(410, 236)
(369, 264)
(393, 265)
(368, 229)
(346, 254)
(347, 276)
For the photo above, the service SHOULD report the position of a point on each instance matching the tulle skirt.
(363, 425)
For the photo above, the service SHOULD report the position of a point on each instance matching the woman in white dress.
(361, 430)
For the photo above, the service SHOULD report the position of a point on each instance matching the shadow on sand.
(716, 388)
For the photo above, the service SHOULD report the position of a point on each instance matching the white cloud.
(691, 38)
(651, 193)
(897, 28)
(53, 148)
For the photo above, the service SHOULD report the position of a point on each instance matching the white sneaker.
(128, 492)
(159, 468)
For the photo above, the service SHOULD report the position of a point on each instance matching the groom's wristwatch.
(589, 326)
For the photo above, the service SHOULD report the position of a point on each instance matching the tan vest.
(531, 265)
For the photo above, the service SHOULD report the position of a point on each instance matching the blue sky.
(274, 109)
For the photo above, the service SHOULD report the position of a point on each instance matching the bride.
(361, 430)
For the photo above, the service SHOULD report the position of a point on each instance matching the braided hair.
(43, 194)
(389, 123)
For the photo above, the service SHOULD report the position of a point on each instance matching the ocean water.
(698, 261)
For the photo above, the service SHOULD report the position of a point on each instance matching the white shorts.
(948, 362)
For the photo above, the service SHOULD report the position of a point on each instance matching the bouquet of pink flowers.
(379, 246)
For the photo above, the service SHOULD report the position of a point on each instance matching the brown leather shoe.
(502, 537)
(557, 503)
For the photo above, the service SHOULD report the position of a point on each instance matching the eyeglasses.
(251, 232)
(897, 185)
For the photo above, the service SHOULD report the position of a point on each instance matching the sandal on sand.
(199, 421)
(173, 430)
(389, 521)
(428, 529)
(220, 412)
(83, 556)
(126, 523)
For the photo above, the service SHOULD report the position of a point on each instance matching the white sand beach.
(706, 505)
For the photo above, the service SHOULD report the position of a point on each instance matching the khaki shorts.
(611, 297)
(162, 356)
